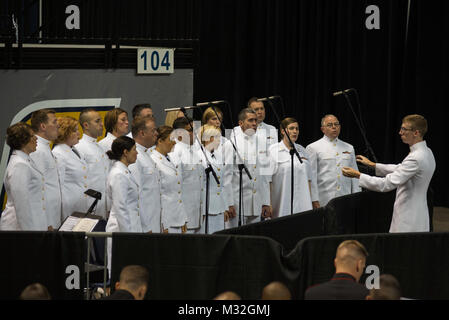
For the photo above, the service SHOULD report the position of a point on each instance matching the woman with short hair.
(72, 168)
(24, 184)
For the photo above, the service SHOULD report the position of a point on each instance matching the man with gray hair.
(256, 203)
(327, 156)
(349, 263)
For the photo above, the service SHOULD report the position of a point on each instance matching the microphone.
(268, 98)
(218, 102)
(180, 108)
(337, 93)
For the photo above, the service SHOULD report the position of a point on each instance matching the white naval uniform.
(146, 175)
(220, 196)
(173, 214)
(255, 192)
(25, 187)
(73, 177)
(327, 157)
(192, 171)
(46, 164)
(124, 195)
(265, 131)
(281, 180)
(97, 169)
(106, 142)
(411, 178)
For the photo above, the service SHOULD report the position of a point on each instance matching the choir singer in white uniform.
(72, 168)
(410, 178)
(146, 173)
(116, 125)
(173, 215)
(281, 179)
(220, 195)
(327, 156)
(45, 125)
(24, 184)
(97, 164)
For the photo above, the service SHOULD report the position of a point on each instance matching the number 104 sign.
(155, 60)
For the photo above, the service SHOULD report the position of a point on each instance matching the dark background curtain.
(302, 50)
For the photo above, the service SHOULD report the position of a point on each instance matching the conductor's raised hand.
(365, 161)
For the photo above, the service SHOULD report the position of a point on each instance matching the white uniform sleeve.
(313, 173)
(119, 187)
(383, 169)
(407, 169)
(20, 197)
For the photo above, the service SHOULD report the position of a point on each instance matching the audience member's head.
(351, 258)
(276, 291)
(228, 295)
(134, 279)
(35, 291)
(389, 289)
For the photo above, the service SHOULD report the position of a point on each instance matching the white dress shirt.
(281, 191)
(25, 187)
(266, 132)
(46, 164)
(173, 213)
(147, 176)
(124, 196)
(192, 170)
(97, 170)
(411, 178)
(327, 157)
(73, 178)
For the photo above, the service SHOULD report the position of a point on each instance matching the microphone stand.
(208, 170)
(361, 127)
(241, 166)
(293, 152)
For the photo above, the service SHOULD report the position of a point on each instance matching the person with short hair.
(35, 291)
(276, 291)
(185, 155)
(228, 295)
(116, 125)
(97, 164)
(173, 215)
(141, 110)
(256, 203)
(45, 126)
(146, 173)
(221, 206)
(133, 284)
(281, 179)
(349, 264)
(411, 178)
(72, 166)
(24, 184)
(327, 156)
(389, 289)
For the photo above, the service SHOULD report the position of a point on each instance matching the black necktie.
(76, 152)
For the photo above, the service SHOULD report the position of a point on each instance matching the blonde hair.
(171, 117)
(67, 125)
(207, 131)
(209, 113)
(417, 122)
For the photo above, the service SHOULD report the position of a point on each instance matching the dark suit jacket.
(342, 286)
(120, 295)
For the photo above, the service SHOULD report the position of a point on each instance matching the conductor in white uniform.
(72, 168)
(97, 164)
(410, 178)
(24, 184)
(327, 156)
(45, 125)
(146, 173)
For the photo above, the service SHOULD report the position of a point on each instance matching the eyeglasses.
(406, 129)
(335, 124)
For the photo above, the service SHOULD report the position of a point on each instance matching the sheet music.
(69, 223)
(85, 225)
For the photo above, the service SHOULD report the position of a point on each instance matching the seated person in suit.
(133, 284)
(349, 265)
(389, 289)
